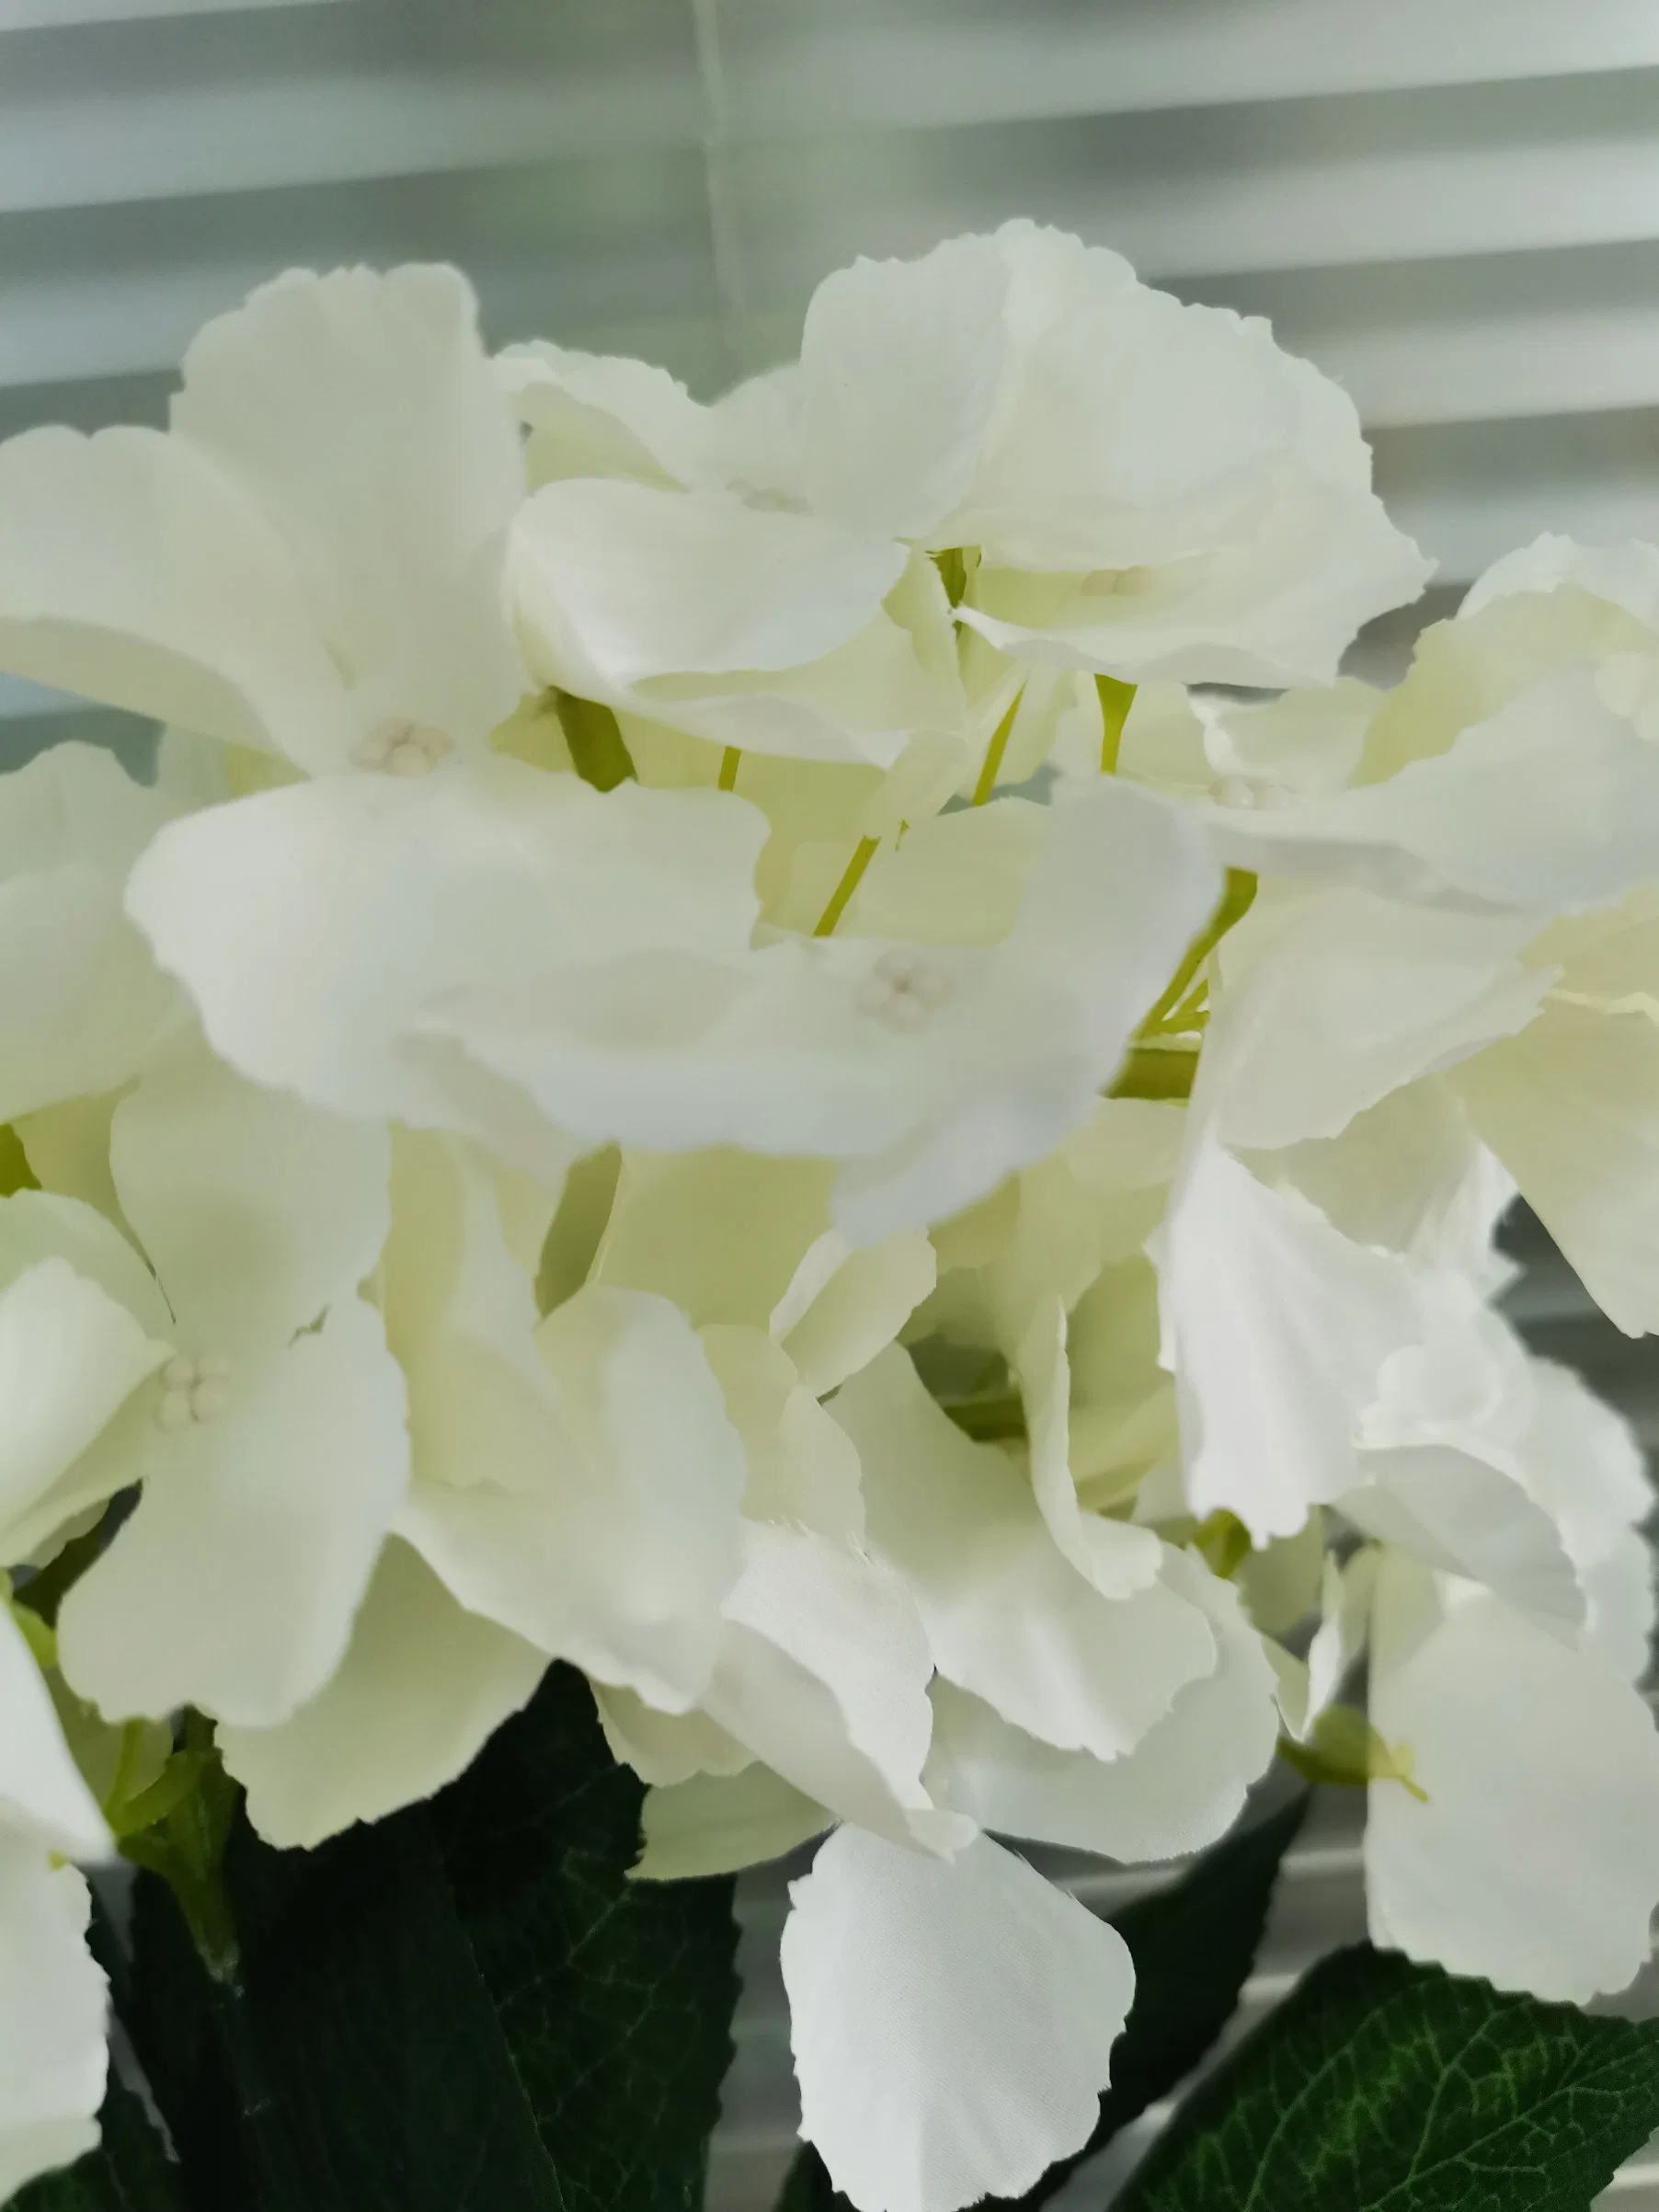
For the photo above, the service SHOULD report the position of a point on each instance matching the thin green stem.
(992, 766)
(1116, 700)
(1233, 906)
(730, 759)
(863, 855)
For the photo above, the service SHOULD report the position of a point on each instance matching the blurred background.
(1452, 206)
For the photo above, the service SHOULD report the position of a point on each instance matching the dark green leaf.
(468, 2008)
(129, 2172)
(1193, 1944)
(1381, 2086)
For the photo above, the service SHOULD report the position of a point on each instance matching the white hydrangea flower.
(1143, 489)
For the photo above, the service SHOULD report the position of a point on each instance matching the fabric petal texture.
(907, 1977)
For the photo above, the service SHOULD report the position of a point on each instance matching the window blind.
(1453, 209)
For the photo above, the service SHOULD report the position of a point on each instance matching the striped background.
(1452, 205)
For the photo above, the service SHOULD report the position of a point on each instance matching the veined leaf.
(466, 2008)
(1382, 2086)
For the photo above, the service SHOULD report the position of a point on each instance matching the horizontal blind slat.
(794, 65)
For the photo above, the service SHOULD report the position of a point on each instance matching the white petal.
(1275, 1328)
(1411, 1173)
(310, 924)
(844, 1305)
(233, 1584)
(1273, 604)
(1008, 1615)
(620, 587)
(360, 414)
(1089, 1205)
(80, 997)
(1571, 1106)
(1183, 1785)
(717, 1824)
(617, 1545)
(721, 1233)
(605, 415)
(1623, 1606)
(1118, 891)
(36, 1225)
(1350, 997)
(1627, 575)
(460, 1319)
(1584, 1464)
(421, 1689)
(1459, 1513)
(935, 1069)
(53, 2006)
(1117, 1559)
(822, 1674)
(1548, 806)
(666, 1748)
(902, 362)
(802, 1469)
(42, 1796)
(952, 2025)
(638, 583)
(69, 1357)
(257, 1213)
(1534, 1860)
(134, 571)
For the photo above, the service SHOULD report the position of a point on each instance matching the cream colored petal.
(1009, 1617)
(70, 1358)
(53, 2011)
(1532, 1858)
(81, 999)
(134, 571)
(615, 1543)
(1116, 1558)
(1276, 1328)
(718, 1824)
(1183, 1785)
(822, 1673)
(234, 1583)
(359, 413)
(421, 1689)
(44, 1803)
(847, 1303)
(666, 1748)
(802, 1470)
(1571, 1106)
(257, 1213)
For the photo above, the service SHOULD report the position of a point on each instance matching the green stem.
(1116, 700)
(1233, 906)
(730, 759)
(993, 754)
(855, 874)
